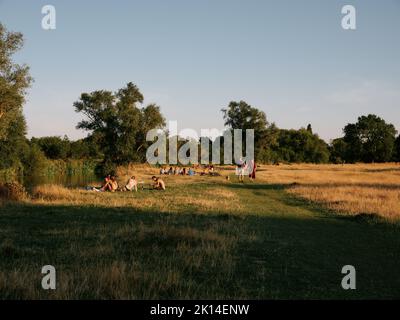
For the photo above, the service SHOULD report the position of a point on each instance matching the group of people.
(191, 171)
(110, 184)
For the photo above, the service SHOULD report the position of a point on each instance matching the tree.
(337, 150)
(35, 163)
(301, 146)
(397, 149)
(86, 148)
(371, 139)
(117, 124)
(240, 115)
(54, 147)
(352, 152)
(14, 80)
(15, 147)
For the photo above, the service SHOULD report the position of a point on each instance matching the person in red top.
(252, 174)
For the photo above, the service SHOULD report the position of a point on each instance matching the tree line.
(117, 124)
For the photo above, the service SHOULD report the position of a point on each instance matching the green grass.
(279, 247)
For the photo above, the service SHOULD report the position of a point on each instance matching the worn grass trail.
(268, 244)
(301, 249)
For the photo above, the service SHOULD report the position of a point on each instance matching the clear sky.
(292, 59)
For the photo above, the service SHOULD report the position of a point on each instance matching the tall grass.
(349, 189)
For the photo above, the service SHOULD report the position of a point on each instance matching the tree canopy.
(273, 144)
(397, 149)
(14, 80)
(371, 139)
(117, 123)
(240, 115)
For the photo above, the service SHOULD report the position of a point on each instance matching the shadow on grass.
(297, 201)
(196, 255)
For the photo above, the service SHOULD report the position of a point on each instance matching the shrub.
(12, 191)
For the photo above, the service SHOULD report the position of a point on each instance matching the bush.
(35, 162)
(12, 191)
(104, 168)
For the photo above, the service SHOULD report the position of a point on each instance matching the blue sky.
(292, 59)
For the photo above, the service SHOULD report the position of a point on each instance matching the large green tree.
(301, 146)
(117, 123)
(337, 150)
(240, 115)
(371, 139)
(54, 147)
(14, 80)
(14, 148)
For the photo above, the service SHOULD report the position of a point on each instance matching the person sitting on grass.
(158, 183)
(191, 172)
(131, 184)
(107, 181)
(114, 184)
(111, 185)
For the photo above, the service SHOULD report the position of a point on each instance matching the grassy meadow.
(286, 235)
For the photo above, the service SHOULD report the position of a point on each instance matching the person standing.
(253, 169)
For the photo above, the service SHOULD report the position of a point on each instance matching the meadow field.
(286, 235)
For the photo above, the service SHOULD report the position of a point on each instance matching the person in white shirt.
(131, 184)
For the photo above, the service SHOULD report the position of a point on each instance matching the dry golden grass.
(200, 196)
(350, 188)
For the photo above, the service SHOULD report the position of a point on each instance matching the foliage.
(12, 191)
(14, 80)
(397, 149)
(117, 124)
(14, 148)
(301, 146)
(273, 144)
(371, 139)
(337, 150)
(240, 115)
(35, 162)
(53, 147)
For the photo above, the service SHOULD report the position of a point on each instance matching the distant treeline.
(371, 139)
